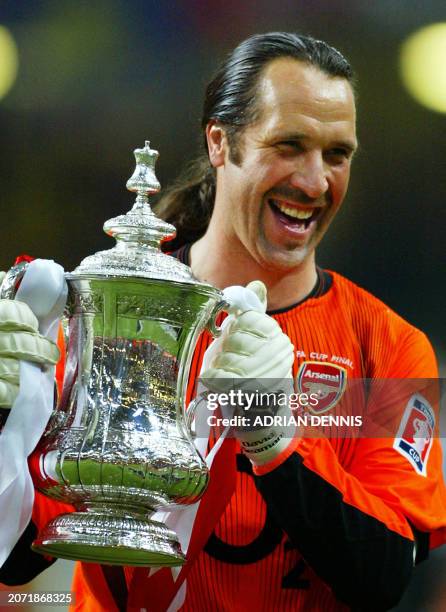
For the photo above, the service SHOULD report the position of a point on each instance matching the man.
(304, 523)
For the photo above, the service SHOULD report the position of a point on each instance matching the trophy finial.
(139, 234)
(144, 180)
(140, 224)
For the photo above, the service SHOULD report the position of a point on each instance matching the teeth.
(293, 212)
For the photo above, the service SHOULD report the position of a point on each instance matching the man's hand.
(254, 347)
(20, 340)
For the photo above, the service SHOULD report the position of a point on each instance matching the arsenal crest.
(415, 435)
(326, 380)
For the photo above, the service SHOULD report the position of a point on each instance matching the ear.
(217, 143)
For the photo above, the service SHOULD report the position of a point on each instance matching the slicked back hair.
(231, 100)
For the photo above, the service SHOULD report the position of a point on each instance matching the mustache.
(297, 196)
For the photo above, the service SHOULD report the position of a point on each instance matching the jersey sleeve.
(404, 468)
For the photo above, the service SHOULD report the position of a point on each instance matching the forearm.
(367, 565)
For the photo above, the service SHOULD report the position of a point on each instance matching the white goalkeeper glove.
(254, 347)
(20, 340)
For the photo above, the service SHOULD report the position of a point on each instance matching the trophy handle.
(212, 326)
(189, 414)
(12, 279)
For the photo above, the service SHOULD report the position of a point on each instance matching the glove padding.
(254, 347)
(20, 340)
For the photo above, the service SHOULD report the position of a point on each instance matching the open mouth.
(291, 215)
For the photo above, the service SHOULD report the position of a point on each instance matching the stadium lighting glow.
(9, 61)
(422, 66)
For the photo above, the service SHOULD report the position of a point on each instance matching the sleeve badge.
(415, 434)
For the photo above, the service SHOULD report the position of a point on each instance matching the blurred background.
(82, 84)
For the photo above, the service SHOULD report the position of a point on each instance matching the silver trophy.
(118, 446)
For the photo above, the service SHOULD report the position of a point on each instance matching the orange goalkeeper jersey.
(248, 561)
(253, 555)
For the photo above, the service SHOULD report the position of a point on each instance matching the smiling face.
(295, 165)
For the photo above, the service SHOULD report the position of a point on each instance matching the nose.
(310, 175)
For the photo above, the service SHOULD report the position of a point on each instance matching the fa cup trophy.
(118, 447)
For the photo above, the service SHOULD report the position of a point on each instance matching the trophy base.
(100, 538)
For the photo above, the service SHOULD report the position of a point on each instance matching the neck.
(214, 260)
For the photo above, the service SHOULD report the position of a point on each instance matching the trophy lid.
(138, 235)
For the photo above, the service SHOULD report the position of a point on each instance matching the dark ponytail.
(188, 202)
